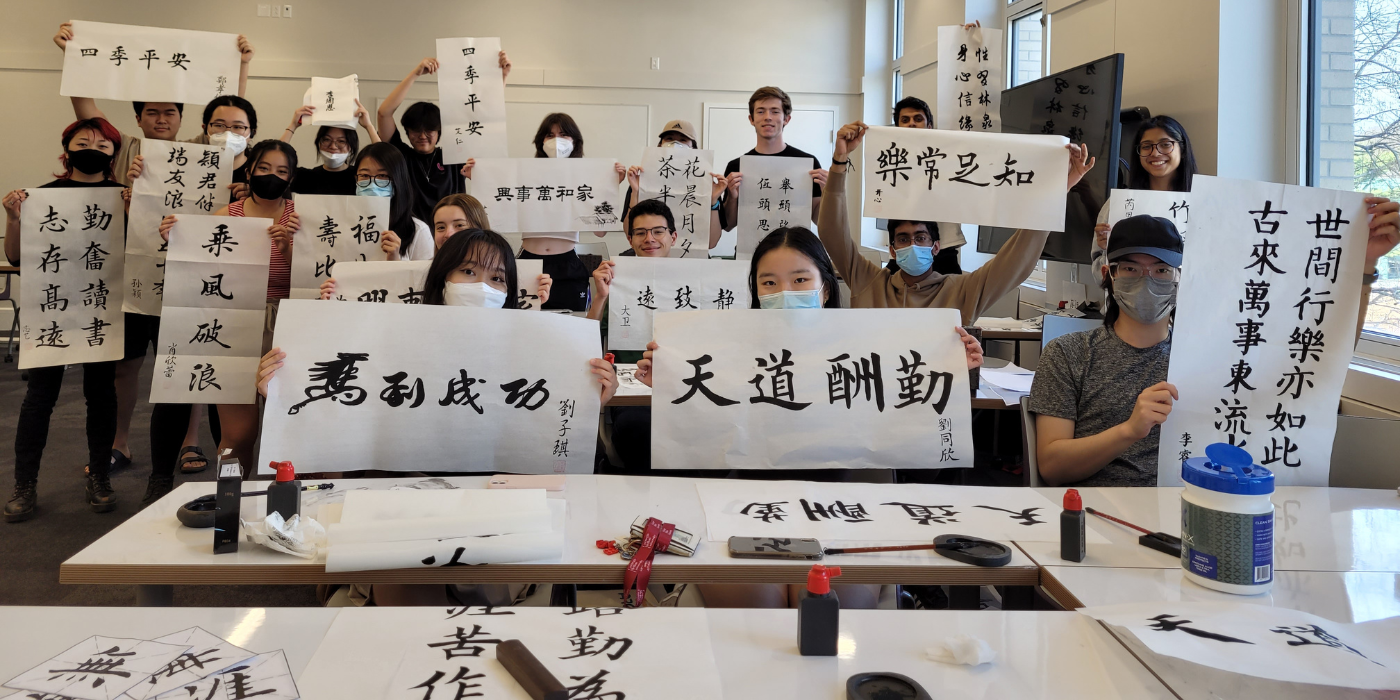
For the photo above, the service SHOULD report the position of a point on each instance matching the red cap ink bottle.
(1072, 528)
(818, 612)
(284, 495)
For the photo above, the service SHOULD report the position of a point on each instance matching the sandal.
(186, 458)
(119, 462)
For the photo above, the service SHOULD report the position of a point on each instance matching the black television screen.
(1081, 103)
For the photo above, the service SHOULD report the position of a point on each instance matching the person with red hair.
(90, 148)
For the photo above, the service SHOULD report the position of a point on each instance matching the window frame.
(1019, 10)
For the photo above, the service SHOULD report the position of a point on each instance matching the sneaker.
(21, 505)
(156, 488)
(99, 494)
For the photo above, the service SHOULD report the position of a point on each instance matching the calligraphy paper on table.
(265, 676)
(215, 309)
(810, 389)
(98, 668)
(71, 281)
(544, 195)
(499, 391)
(334, 228)
(1262, 641)
(604, 653)
(775, 192)
(1264, 369)
(176, 178)
(1011, 180)
(527, 275)
(1172, 206)
(472, 95)
(876, 512)
(528, 536)
(207, 654)
(969, 78)
(680, 178)
(643, 287)
(334, 100)
(149, 64)
(627, 382)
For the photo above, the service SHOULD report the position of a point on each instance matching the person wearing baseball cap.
(678, 134)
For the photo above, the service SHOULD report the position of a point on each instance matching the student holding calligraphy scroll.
(913, 113)
(337, 147)
(678, 134)
(90, 147)
(1165, 162)
(916, 284)
(381, 171)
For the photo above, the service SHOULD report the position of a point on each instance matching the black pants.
(631, 437)
(168, 424)
(32, 435)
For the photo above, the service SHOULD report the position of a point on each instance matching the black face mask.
(90, 161)
(267, 186)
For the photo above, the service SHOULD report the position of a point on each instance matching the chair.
(1028, 443)
(1053, 326)
(1363, 453)
(7, 294)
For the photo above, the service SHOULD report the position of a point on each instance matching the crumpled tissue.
(961, 649)
(300, 537)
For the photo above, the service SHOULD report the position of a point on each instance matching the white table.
(1315, 529)
(153, 549)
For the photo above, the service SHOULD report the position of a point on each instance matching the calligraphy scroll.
(680, 178)
(334, 228)
(498, 390)
(969, 78)
(149, 64)
(176, 178)
(1011, 180)
(811, 388)
(642, 287)
(527, 276)
(543, 195)
(776, 192)
(472, 94)
(215, 310)
(1172, 206)
(70, 281)
(1265, 323)
(382, 281)
(334, 100)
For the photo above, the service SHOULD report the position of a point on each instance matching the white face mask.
(229, 141)
(477, 294)
(678, 145)
(558, 148)
(335, 160)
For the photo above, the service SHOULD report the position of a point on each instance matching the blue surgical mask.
(367, 188)
(914, 260)
(801, 299)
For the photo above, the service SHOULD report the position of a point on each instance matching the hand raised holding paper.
(1384, 235)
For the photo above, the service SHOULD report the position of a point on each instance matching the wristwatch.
(1370, 277)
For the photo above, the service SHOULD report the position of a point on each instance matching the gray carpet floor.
(31, 551)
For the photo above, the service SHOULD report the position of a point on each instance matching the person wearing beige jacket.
(874, 286)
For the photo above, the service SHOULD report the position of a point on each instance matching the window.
(1026, 47)
(1353, 134)
(898, 29)
(898, 91)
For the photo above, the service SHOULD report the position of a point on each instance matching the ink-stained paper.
(1265, 321)
(499, 391)
(334, 228)
(215, 311)
(544, 195)
(98, 668)
(627, 382)
(472, 96)
(265, 677)
(1172, 206)
(382, 281)
(970, 78)
(176, 178)
(680, 178)
(775, 192)
(527, 276)
(876, 512)
(604, 653)
(811, 389)
(334, 100)
(149, 64)
(71, 276)
(207, 655)
(1263, 641)
(644, 287)
(1011, 180)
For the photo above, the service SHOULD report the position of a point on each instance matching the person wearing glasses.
(913, 113)
(382, 171)
(1100, 396)
(1164, 162)
(337, 147)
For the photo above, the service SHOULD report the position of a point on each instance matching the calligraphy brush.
(1160, 541)
(969, 550)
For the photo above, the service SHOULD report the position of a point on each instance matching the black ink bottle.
(1072, 528)
(284, 495)
(818, 613)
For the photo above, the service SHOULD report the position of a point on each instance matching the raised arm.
(12, 204)
(833, 221)
(1382, 238)
(717, 185)
(83, 107)
(395, 98)
(245, 50)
